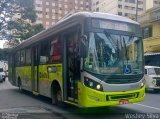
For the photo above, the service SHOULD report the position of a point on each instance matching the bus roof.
(106, 16)
(148, 67)
(68, 20)
(151, 54)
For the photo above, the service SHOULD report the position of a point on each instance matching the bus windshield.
(114, 54)
(154, 71)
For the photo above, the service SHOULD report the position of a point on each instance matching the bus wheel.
(59, 101)
(59, 96)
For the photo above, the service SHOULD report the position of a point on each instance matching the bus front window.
(109, 53)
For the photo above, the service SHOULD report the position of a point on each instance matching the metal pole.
(137, 10)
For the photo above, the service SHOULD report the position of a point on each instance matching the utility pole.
(137, 10)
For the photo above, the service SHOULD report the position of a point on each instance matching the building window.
(126, 7)
(76, 2)
(47, 3)
(97, 9)
(120, 13)
(147, 32)
(53, 4)
(120, 6)
(140, 9)
(66, 6)
(60, 5)
(132, 1)
(97, 2)
(140, 2)
(126, 14)
(39, 5)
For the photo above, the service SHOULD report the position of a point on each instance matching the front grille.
(122, 96)
(122, 81)
(119, 79)
(158, 82)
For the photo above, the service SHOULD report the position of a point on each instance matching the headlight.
(142, 84)
(154, 82)
(92, 84)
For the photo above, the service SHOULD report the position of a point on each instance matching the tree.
(4, 53)
(17, 20)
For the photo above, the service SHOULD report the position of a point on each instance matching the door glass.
(73, 64)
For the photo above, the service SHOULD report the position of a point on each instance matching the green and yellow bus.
(86, 59)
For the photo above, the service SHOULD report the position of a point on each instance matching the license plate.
(123, 102)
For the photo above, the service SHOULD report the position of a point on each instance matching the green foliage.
(18, 29)
(4, 53)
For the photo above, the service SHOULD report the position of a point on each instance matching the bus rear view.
(112, 62)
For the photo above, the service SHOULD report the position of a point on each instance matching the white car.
(2, 73)
(152, 77)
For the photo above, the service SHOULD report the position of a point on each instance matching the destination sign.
(113, 25)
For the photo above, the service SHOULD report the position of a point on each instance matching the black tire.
(57, 96)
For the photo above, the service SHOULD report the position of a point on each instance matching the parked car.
(152, 77)
(2, 73)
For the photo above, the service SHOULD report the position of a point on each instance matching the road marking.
(147, 106)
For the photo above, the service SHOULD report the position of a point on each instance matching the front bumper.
(91, 98)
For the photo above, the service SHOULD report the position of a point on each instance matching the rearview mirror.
(84, 46)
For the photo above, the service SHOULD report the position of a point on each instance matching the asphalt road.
(25, 105)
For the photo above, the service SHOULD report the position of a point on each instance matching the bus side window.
(56, 50)
(28, 56)
(22, 57)
(18, 58)
(44, 52)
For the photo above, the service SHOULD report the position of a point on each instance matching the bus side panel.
(46, 78)
(24, 73)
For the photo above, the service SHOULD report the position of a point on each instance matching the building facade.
(125, 8)
(150, 23)
(152, 3)
(51, 11)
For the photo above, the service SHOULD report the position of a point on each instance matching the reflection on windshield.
(109, 53)
(154, 71)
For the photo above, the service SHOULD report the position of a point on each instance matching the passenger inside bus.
(55, 52)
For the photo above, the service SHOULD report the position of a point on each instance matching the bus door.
(35, 55)
(12, 69)
(72, 66)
